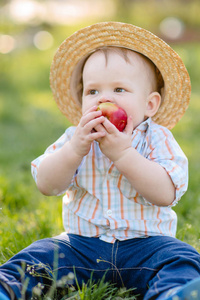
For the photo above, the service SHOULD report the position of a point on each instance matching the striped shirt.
(101, 202)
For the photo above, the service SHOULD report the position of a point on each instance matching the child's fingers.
(94, 124)
(91, 115)
(93, 108)
(109, 127)
(97, 135)
(100, 127)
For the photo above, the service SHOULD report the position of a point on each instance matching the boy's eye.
(93, 92)
(119, 90)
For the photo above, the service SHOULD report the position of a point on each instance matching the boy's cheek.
(86, 105)
(83, 109)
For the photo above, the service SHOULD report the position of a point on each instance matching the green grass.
(30, 121)
(91, 290)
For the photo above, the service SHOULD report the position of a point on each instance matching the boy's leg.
(178, 263)
(55, 257)
(155, 265)
(189, 291)
(4, 295)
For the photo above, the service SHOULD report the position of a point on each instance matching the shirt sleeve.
(164, 150)
(52, 148)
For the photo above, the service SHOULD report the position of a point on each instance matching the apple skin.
(114, 113)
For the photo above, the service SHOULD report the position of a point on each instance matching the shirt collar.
(143, 126)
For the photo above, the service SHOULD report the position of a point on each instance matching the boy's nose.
(105, 98)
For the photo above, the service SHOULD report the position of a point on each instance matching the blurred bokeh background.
(30, 32)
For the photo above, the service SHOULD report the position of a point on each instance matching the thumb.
(129, 126)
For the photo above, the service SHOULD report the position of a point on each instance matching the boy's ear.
(152, 104)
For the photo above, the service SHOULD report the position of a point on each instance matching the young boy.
(119, 186)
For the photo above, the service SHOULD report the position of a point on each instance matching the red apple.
(115, 114)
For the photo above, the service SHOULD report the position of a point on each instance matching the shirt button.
(109, 212)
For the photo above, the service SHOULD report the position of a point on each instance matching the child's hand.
(115, 143)
(85, 133)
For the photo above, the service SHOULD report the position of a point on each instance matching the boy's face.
(126, 84)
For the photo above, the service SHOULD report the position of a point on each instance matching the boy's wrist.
(122, 158)
(72, 150)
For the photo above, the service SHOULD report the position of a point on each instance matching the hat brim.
(69, 58)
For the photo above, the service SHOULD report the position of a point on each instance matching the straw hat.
(65, 75)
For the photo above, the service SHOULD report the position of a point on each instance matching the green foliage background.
(30, 121)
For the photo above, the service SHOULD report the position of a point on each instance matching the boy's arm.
(147, 177)
(57, 170)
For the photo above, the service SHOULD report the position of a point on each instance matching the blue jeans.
(152, 265)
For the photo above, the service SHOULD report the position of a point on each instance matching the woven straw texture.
(85, 41)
